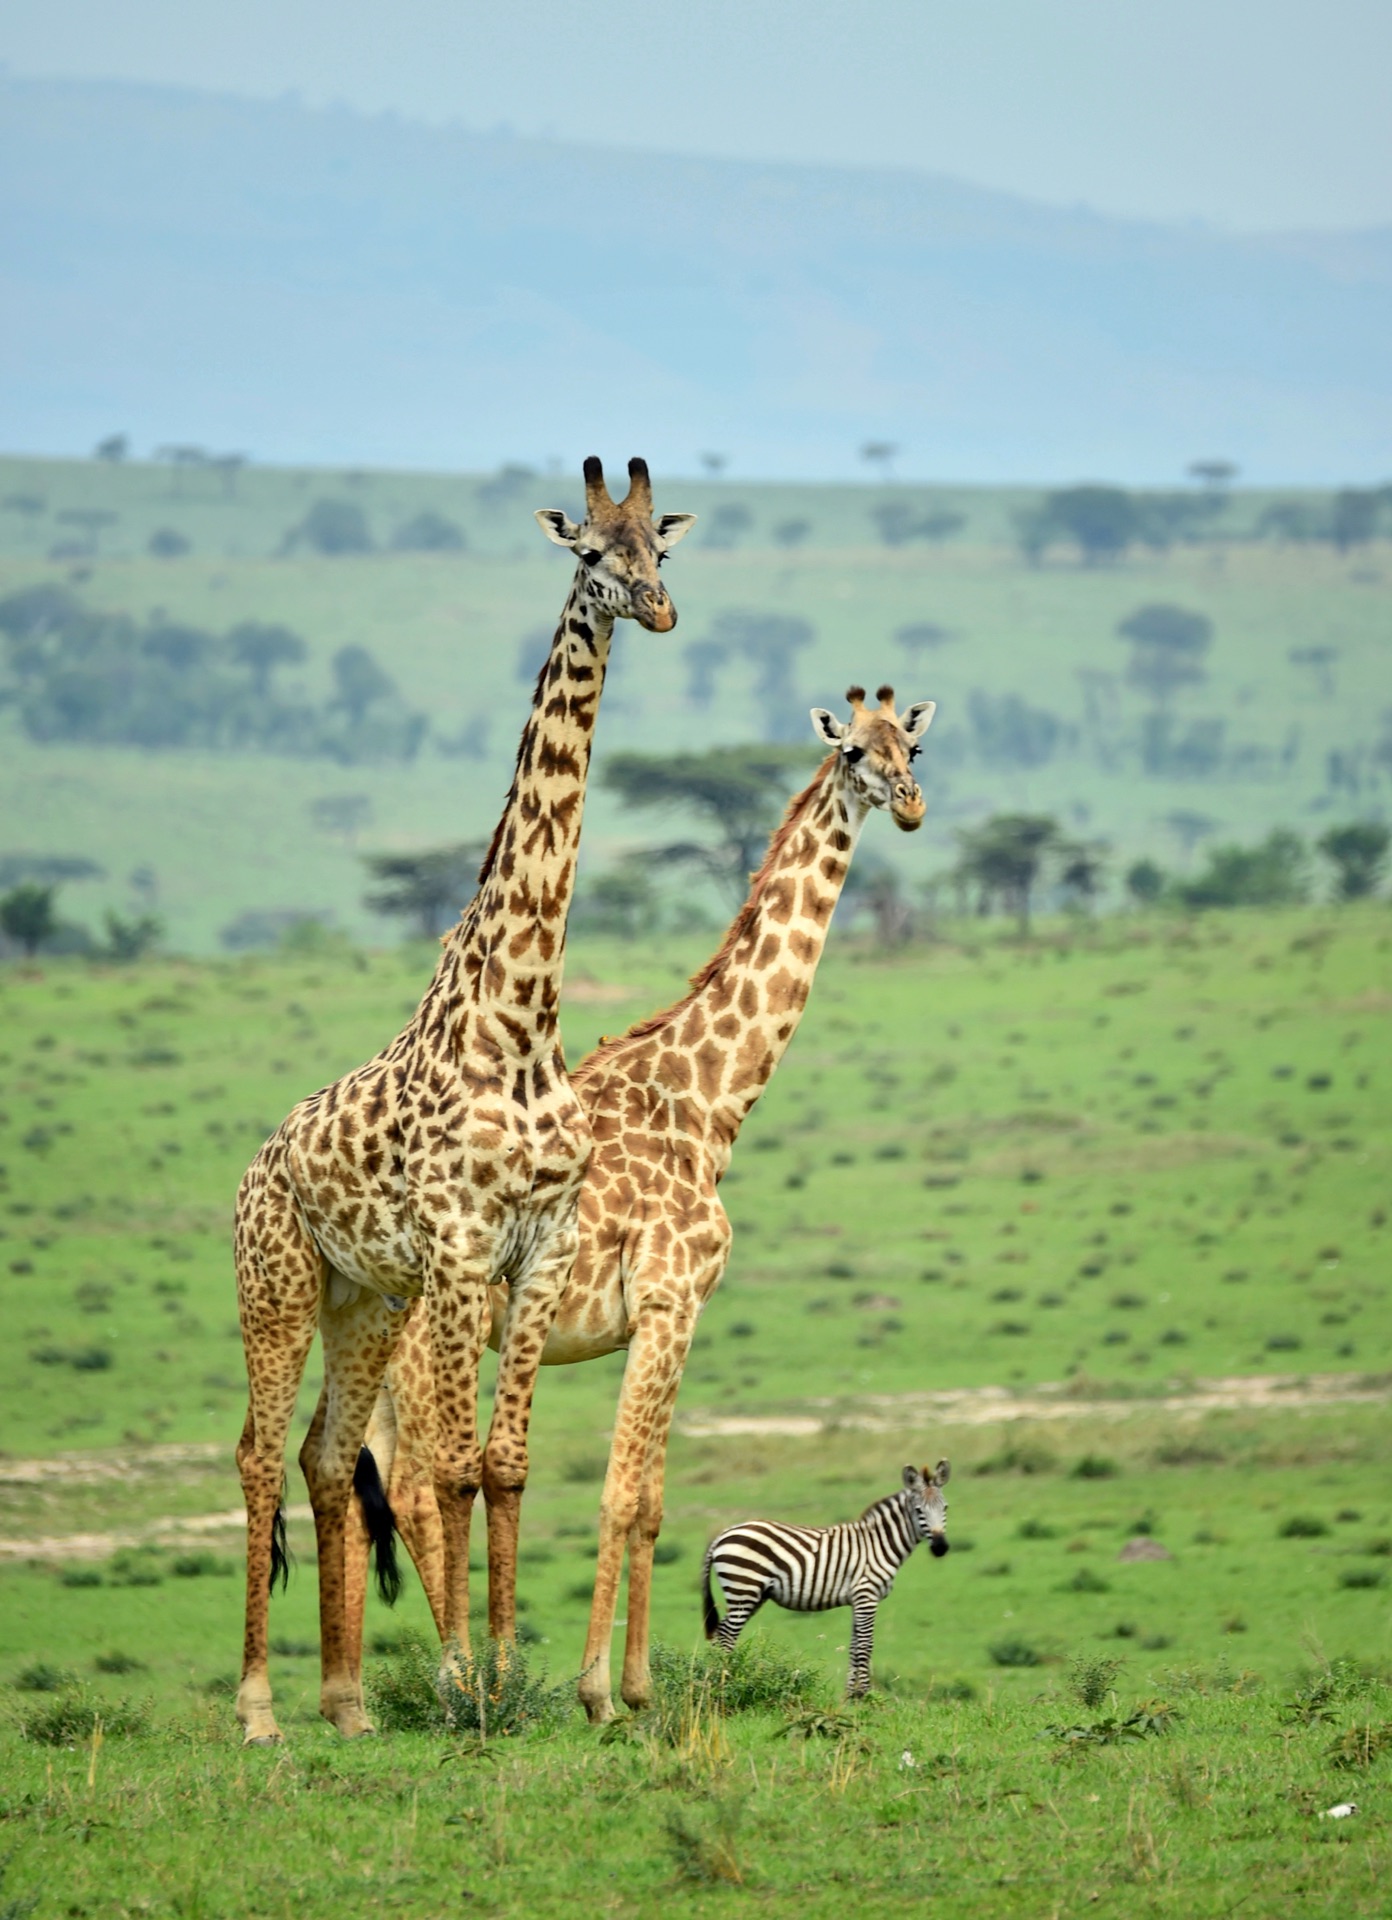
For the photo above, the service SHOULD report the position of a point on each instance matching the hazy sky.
(1245, 113)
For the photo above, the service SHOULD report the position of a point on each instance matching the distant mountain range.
(320, 286)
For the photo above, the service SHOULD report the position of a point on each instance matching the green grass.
(226, 834)
(1116, 1129)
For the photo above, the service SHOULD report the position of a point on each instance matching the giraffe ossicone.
(665, 1102)
(449, 1162)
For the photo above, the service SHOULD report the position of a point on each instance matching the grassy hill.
(236, 832)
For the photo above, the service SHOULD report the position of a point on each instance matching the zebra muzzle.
(937, 1546)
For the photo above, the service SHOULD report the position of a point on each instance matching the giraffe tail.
(280, 1548)
(380, 1522)
(710, 1613)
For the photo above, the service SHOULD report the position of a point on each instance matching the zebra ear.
(941, 1473)
(912, 1477)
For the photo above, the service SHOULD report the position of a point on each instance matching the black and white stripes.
(810, 1568)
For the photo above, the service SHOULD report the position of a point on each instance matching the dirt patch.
(987, 1406)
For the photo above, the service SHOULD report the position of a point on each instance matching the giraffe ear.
(672, 527)
(919, 718)
(827, 727)
(555, 526)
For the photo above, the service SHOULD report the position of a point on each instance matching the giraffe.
(450, 1161)
(665, 1102)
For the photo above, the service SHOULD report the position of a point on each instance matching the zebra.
(810, 1568)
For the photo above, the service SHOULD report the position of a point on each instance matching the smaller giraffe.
(665, 1102)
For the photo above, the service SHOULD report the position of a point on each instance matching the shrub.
(43, 1677)
(1094, 1466)
(704, 1847)
(1302, 1526)
(117, 1662)
(584, 1469)
(192, 1566)
(1014, 1652)
(755, 1677)
(1091, 1677)
(496, 1692)
(1027, 1457)
(1086, 1581)
(666, 1553)
(1363, 1577)
(81, 1577)
(1033, 1529)
(71, 1717)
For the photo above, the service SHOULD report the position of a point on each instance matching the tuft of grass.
(1014, 1652)
(71, 1717)
(1094, 1466)
(1363, 1577)
(1360, 1746)
(118, 1663)
(43, 1677)
(705, 1845)
(756, 1677)
(195, 1566)
(1091, 1677)
(1302, 1526)
(496, 1693)
(1086, 1581)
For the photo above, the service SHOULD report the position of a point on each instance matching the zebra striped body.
(808, 1569)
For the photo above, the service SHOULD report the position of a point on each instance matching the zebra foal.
(808, 1569)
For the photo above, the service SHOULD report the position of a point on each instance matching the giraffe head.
(621, 546)
(874, 750)
(924, 1487)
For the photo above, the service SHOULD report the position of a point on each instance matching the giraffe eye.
(851, 754)
(913, 751)
(590, 555)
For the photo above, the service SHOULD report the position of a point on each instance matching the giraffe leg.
(531, 1312)
(651, 1377)
(411, 1481)
(279, 1281)
(636, 1685)
(358, 1339)
(459, 1318)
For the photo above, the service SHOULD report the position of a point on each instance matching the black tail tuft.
(380, 1522)
(280, 1549)
(708, 1608)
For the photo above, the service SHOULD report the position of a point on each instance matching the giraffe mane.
(797, 807)
(486, 869)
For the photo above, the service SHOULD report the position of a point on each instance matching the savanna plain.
(1099, 1212)
(1100, 1215)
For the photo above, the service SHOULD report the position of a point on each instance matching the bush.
(1094, 1466)
(70, 1719)
(1271, 874)
(429, 532)
(1302, 1526)
(192, 1566)
(754, 1677)
(1014, 1652)
(331, 527)
(1363, 1577)
(117, 1662)
(1092, 1677)
(495, 1693)
(1086, 1581)
(43, 1677)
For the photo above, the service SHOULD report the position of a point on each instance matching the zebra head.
(924, 1487)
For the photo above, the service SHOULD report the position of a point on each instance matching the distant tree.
(343, 814)
(113, 449)
(27, 916)
(1271, 874)
(430, 889)
(702, 659)
(429, 532)
(1168, 644)
(714, 463)
(1145, 882)
(29, 504)
(49, 870)
(181, 648)
(1321, 661)
(1189, 827)
(1005, 856)
(727, 525)
(1294, 521)
(227, 467)
(167, 544)
(261, 648)
(1011, 733)
(1081, 865)
(621, 901)
(880, 454)
(1355, 518)
(791, 533)
(875, 887)
(1216, 474)
(359, 683)
(131, 939)
(920, 637)
(735, 791)
(331, 527)
(1101, 521)
(182, 460)
(770, 642)
(90, 522)
(1358, 852)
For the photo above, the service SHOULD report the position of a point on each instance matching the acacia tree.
(1168, 645)
(261, 648)
(27, 916)
(430, 889)
(1005, 856)
(736, 791)
(1358, 852)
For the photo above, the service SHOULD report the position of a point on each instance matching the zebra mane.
(895, 1499)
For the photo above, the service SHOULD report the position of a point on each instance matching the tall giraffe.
(665, 1102)
(450, 1162)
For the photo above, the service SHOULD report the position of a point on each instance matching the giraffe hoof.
(275, 1739)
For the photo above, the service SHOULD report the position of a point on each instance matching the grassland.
(229, 833)
(1096, 1171)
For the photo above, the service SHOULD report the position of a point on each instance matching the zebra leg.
(863, 1608)
(740, 1609)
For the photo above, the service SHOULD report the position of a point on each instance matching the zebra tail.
(709, 1612)
(380, 1522)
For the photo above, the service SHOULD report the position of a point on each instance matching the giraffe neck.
(716, 1050)
(508, 950)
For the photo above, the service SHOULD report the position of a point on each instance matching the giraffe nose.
(653, 609)
(907, 808)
